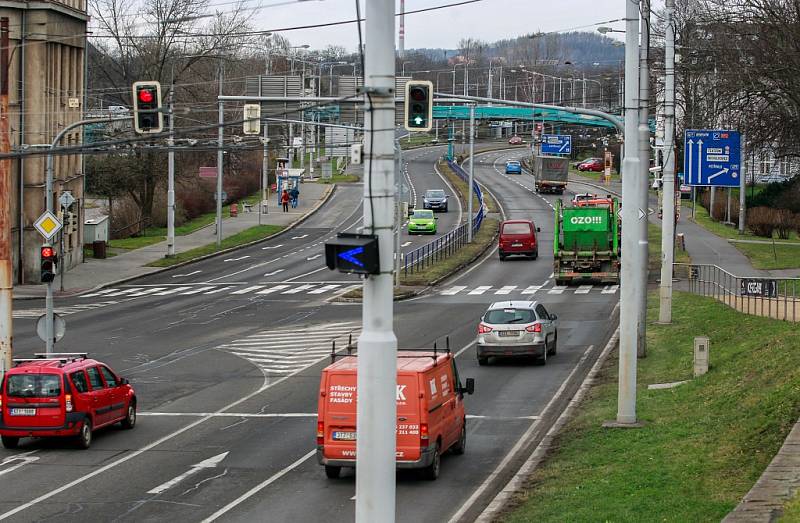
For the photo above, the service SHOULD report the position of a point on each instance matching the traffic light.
(353, 253)
(147, 115)
(419, 105)
(49, 260)
(70, 222)
(252, 118)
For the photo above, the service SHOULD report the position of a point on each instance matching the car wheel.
(502, 257)
(561, 283)
(431, 472)
(332, 472)
(10, 442)
(535, 255)
(543, 359)
(445, 209)
(483, 360)
(85, 435)
(554, 348)
(461, 445)
(130, 419)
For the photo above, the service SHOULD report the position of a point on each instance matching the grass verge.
(246, 236)
(791, 511)
(762, 255)
(155, 235)
(703, 444)
(339, 178)
(461, 188)
(654, 248)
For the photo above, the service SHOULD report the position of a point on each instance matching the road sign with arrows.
(712, 158)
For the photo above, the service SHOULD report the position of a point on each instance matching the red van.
(430, 412)
(518, 237)
(62, 395)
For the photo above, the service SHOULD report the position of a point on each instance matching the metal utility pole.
(6, 283)
(742, 191)
(264, 195)
(629, 305)
(668, 176)
(643, 179)
(471, 170)
(401, 41)
(171, 172)
(377, 344)
(220, 137)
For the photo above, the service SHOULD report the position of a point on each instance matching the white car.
(517, 329)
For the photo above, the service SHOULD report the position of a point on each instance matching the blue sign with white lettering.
(712, 158)
(556, 144)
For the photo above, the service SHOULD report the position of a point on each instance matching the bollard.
(700, 355)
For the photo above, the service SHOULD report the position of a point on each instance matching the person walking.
(285, 200)
(294, 194)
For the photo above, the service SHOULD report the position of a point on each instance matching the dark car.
(435, 199)
(592, 164)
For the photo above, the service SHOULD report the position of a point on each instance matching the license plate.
(344, 436)
(23, 412)
(516, 245)
(508, 333)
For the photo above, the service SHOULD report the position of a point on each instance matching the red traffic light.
(418, 94)
(146, 96)
(48, 252)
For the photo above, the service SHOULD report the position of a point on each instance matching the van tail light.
(320, 433)
(483, 329)
(68, 402)
(424, 437)
(536, 327)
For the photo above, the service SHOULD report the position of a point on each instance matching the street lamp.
(403, 68)
(454, 75)
(604, 30)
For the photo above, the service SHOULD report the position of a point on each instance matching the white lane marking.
(187, 274)
(558, 289)
(231, 414)
(452, 291)
(197, 290)
(22, 459)
(219, 290)
(301, 288)
(299, 237)
(310, 258)
(551, 275)
(120, 293)
(172, 291)
(273, 273)
(406, 244)
(273, 289)
(99, 293)
(532, 289)
(583, 289)
(324, 288)
(248, 289)
(308, 273)
(480, 290)
(209, 463)
(237, 259)
(610, 289)
(506, 289)
(271, 247)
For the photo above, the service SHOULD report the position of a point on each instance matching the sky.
(487, 20)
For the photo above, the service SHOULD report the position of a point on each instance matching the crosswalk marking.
(270, 290)
(480, 290)
(452, 291)
(145, 292)
(248, 289)
(324, 288)
(100, 293)
(583, 289)
(219, 290)
(61, 311)
(197, 290)
(121, 292)
(610, 289)
(172, 291)
(531, 289)
(301, 288)
(558, 289)
(506, 290)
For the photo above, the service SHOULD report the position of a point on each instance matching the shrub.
(762, 221)
(784, 223)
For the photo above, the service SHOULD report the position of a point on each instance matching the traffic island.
(703, 444)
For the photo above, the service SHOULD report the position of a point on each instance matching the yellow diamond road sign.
(47, 225)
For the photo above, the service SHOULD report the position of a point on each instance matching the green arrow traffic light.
(418, 105)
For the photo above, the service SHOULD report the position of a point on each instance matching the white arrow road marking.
(313, 257)
(273, 273)
(299, 237)
(406, 244)
(209, 463)
(271, 247)
(237, 259)
(183, 275)
(23, 459)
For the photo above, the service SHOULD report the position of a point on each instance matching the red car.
(515, 140)
(592, 164)
(63, 395)
(518, 237)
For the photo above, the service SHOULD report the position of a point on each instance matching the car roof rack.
(436, 351)
(61, 357)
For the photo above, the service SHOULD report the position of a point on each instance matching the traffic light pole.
(171, 175)
(377, 344)
(6, 283)
(220, 137)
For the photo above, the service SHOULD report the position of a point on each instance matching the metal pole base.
(614, 424)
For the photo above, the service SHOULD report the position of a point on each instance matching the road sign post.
(556, 144)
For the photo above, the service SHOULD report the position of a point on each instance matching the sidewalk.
(93, 272)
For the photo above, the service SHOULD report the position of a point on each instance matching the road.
(227, 378)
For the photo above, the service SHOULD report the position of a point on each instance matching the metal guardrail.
(447, 245)
(777, 298)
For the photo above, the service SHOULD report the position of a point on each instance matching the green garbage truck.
(586, 243)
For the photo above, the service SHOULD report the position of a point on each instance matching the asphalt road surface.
(226, 355)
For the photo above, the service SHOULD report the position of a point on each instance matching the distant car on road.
(515, 140)
(63, 395)
(422, 220)
(517, 329)
(435, 199)
(513, 167)
(578, 199)
(518, 237)
(592, 164)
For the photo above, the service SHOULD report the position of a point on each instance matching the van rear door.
(409, 418)
(339, 410)
(33, 400)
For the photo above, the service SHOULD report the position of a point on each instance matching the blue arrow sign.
(556, 144)
(712, 158)
(350, 256)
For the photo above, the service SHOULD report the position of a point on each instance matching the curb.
(327, 196)
(600, 187)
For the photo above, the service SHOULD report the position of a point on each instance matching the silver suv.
(517, 328)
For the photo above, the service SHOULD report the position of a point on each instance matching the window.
(94, 378)
(34, 385)
(516, 228)
(434, 194)
(111, 380)
(79, 381)
(542, 312)
(423, 214)
(503, 316)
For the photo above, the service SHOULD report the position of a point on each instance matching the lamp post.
(403, 68)
(454, 76)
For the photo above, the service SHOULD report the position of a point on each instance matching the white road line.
(310, 258)
(205, 464)
(299, 237)
(271, 247)
(532, 289)
(480, 290)
(610, 289)
(219, 290)
(237, 259)
(324, 288)
(406, 244)
(99, 293)
(270, 290)
(273, 273)
(558, 289)
(452, 291)
(172, 291)
(301, 288)
(187, 274)
(197, 290)
(23, 459)
(147, 291)
(309, 273)
(506, 289)
(120, 293)
(248, 289)
(583, 289)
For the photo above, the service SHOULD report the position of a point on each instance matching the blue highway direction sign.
(556, 144)
(712, 157)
